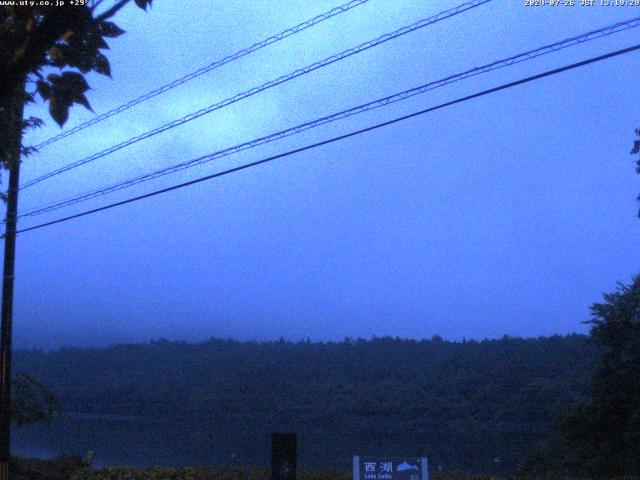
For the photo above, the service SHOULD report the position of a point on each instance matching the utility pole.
(15, 126)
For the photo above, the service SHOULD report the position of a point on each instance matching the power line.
(340, 137)
(212, 66)
(531, 54)
(248, 93)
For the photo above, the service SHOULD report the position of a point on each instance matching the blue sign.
(390, 468)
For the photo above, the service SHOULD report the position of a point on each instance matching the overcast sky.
(509, 214)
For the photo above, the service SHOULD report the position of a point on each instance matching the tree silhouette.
(32, 402)
(603, 434)
(634, 151)
(68, 38)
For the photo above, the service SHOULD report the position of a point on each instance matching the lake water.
(122, 440)
(136, 441)
(223, 440)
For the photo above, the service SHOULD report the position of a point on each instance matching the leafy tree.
(603, 434)
(63, 42)
(635, 151)
(32, 402)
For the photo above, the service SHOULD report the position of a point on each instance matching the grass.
(74, 468)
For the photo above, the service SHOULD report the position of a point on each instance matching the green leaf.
(59, 110)
(101, 43)
(32, 122)
(74, 81)
(102, 65)
(53, 77)
(82, 100)
(110, 30)
(143, 3)
(28, 151)
(65, 90)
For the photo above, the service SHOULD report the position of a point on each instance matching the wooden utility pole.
(14, 126)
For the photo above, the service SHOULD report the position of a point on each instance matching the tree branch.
(96, 4)
(111, 12)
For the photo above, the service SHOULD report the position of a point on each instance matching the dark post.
(284, 456)
(14, 117)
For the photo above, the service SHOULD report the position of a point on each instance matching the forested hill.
(500, 395)
(504, 380)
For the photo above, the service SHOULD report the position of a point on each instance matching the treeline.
(475, 405)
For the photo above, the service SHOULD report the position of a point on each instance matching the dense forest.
(478, 406)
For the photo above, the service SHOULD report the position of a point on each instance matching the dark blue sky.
(509, 214)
